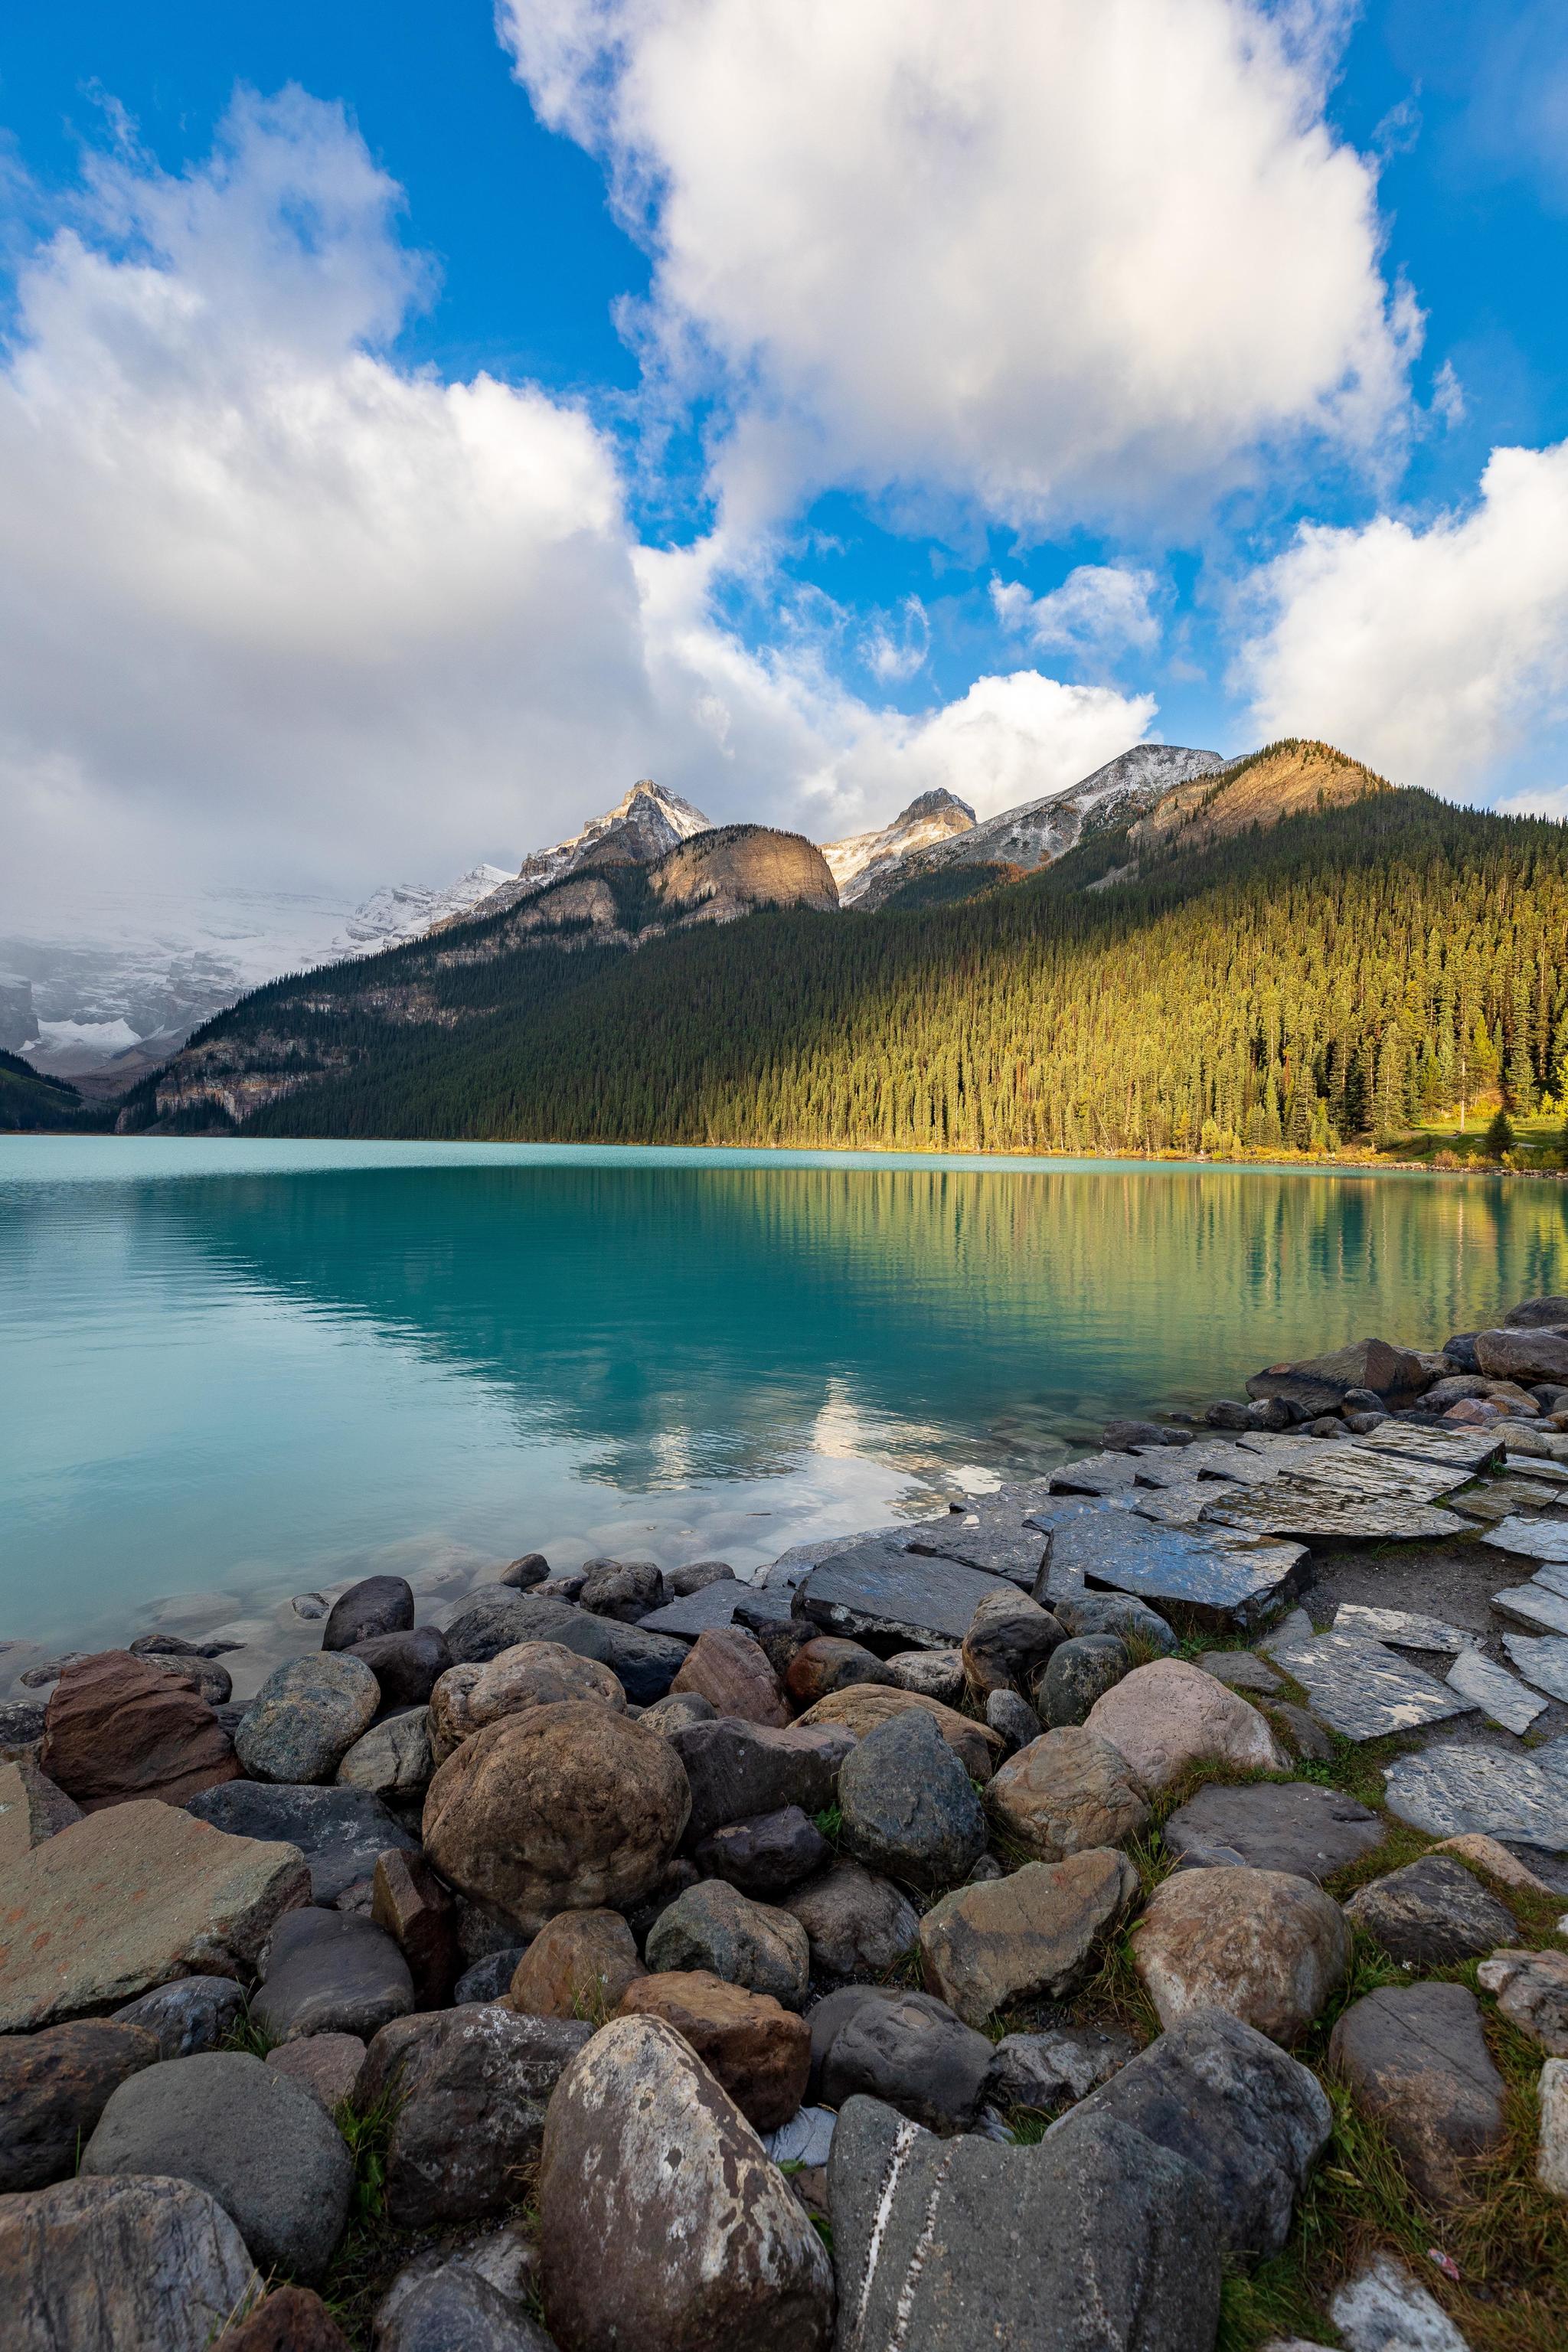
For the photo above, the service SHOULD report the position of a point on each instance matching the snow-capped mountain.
(404, 910)
(642, 826)
(862, 860)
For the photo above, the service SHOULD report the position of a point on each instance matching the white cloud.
(1437, 653)
(1099, 609)
(1049, 257)
(894, 651)
(277, 608)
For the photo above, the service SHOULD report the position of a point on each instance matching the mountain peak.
(862, 860)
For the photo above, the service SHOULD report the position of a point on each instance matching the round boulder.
(306, 1715)
(1009, 1639)
(1262, 1945)
(407, 1665)
(120, 2266)
(713, 1926)
(566, 1807)
(1067, 1792)
(1079, 1673)
(1168, 1716)
(857, 1925)
(931, 1673)
(531, 1674)
(375, 1605)
(578, 1965)
(729, 1667)
(909, 1808)
(760, 2052)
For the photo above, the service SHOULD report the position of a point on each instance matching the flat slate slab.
(714, 1605)
(880, 1588)
(1279, 1825)
(1472, 1450)
(1536, 1603)
(1364, 1691)
(1095, 1473)
(1530, 1539)
(1541, 1660)
(1160, 1465)
(1321, 1461)
(1548, 1474)
(1500, 1695)
(1226, 1585)
(1448, 1790)
(994, 1542)
(1403, 1629)
(1293, 1508)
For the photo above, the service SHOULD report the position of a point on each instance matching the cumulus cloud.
(1438, 653)
(1056, 259)
(1099, 609)
(276, 606)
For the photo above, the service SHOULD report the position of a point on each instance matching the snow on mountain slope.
(863, 858)
(404, 910)
(644, 826)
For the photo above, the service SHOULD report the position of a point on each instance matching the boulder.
(123, 2265)
(715, 1927)
(1383, 2308)
(392, 1759)
(857, 1925)
(325, 2065)
(697, 1576)
(866, 1707)
(470, 2088)
(1261, 1945)
(1302, 1732)
(1319, 1384)
(495, 1619)
(729, 1667)
(1079, 1612)
(1029, 1936)
(1076, 1672)
(1551, 2156)
(417, 1911)
(1531, 1989)
(531, 1674)
(931, 1673)
(1127, 1436)
(566, 1808)
(626, 1590)
(308, 1714)
(1253, 2121)
(1046, 2070)
(339, 1831)
(22, 1728)
(908, 2048)
(116, 1728)
(673, 1713)
(1095, 2240)
(1549, 1314)
(757, 2049)
(1068, 1791)
(827, 1664)
(521, 1574)
(1013, 1718)
(31, 1808)
(453, 2310)
(738, 1770)
(699, 2240)
(1292, 1825)
(290, 2319)
(193, 2013)
(329, 1973)
(1415, 2061)
(406, 1666)
(374, 1606)
(256, 2141)
(55, 2084)
(1169, 1716)
(1523, 1356)
(490, 1979)
(579, 1965)
(1009, 1639)
(766, 1855)
(120, 1903)
(1431, 1913)
(909, 1809)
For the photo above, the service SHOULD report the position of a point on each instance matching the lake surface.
(240, 1370)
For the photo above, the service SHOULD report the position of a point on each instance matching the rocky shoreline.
(1128, 1914)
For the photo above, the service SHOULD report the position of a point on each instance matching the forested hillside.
(30, 1102)
(1331, 979)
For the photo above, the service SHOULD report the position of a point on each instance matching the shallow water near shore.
(232, 1371)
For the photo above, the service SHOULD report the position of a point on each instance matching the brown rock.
(579, 1965)
(1527, 1356)
(1065, 1792)
(759, 2052)
(417, 1912)
(54, 2086)
(565, 1808)
(1416, 2061)
(1168, 1716)
(826, 1664)
(864, 1706)
(1532, 1991)
(1474, 1845)
(1262, 1945)
(1030, 1935)
(292, 2319)
(31, 1808)
(116, 1728)
(531, 1674)
(327, 2064)
(698, 2244)
(127, 1900)
(729, 1667)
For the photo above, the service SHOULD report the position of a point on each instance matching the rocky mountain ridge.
(864, 860)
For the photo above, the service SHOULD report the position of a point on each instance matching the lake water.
(238, 1371)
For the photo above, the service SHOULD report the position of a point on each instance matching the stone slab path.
(1501, 1697)
(1448, 1790)
(1364, 1691)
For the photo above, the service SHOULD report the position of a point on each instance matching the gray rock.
(697, 1576)
(1229, 1412)
(376, 1606)
(54, 2085)
(766, 1855)
(1043, 2070)
(394, 1758)
(489, 1978)
(1502, 1697)
(909, 1808)
(1242, 1670)
(1122, 1436)
(192, 2015)
(1303, 1734)
(328, 1972)
(1252, 2120)
(308, 1715)
(907, 2048)
(325, 2065)
(1447, 1790)
(21, 1726)
(451, 2310)
(1082, 1612)
(1095, 2240)
(212, 1682)
(714, 1927)
(626, 1590)
(881, 1589)
(1292, 1825)
(1078, 1673)
(857, 1924)
(1014, 1718)
(1417, 2062)
(523, 1573)
(1226, 1586)
(934, 1673)
(736, 1770)
(1362, 1690)
(1008, 1641)
(123, 2265)
(719, 1603)
(1548, 1314)
(407, 1665)
(253, 2140)
(471, 2087)
(494, 1618)
(1384, 2309)
(340, 1832)
(310, 1606)
(680, 1709)
(1432, 1913)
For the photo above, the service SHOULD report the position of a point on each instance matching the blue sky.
(421, 424)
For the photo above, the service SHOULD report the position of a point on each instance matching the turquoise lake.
(240, 1371)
